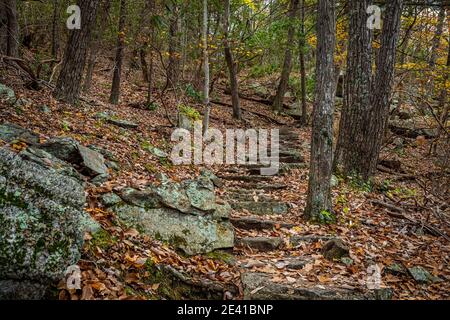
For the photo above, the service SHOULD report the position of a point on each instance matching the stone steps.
(262, 208)
(258, 224)
(259, 286)
(260, 243)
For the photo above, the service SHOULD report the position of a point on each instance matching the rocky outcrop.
(185, 214)
(42, 221)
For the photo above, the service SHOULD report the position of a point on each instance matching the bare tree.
(68, 86)
(302, 47)
(287, 65)
(319, 188)
(206, 67)
(115, 88)
(232, 66)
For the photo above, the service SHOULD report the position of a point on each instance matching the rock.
(258, 286)
(7, 94)
(44, 109)
(261, 243)
(421, 275)
(10, 132)
(347, 261)
(262, 208)
(90, 162)
(110, 199)
(335, 249)
(395, 269)
(159, 153)
(89, 225)
(22, 102)
(112, 165)
(41, 233)
(258, 224)
(190, 233)
(211, 176)
(185, 214)
(104, 115)
(122, 123)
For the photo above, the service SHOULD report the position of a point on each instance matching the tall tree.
(232, 66)
(319, 188)
(173, 67)
(367, 103)
(302, 47)
(206, 67)
(68, 86)
(115, 88)
(287, 64)
(55, 29)
(12, 28)
(380, 99)
(350, 150)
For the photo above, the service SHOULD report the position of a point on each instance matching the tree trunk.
(206, 67)
(3, 28)
(232, 67)
(350, 155)
(434, 49)
(95, 46)
(302, 46)
(115, 88)
(382, 86)
(12, 28)
(69, 81)
(319, 188)
(287, 64)
(173, 66)
(55, 30)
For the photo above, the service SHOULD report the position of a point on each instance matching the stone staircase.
(258, 216)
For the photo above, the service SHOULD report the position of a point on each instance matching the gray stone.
(41, 232)
(211, 176)
(10, 132)
(122, 123)
(184, 121)
(110, 199)
(192, 234)
(22, 102)
(258, 286)
(421, 275)
(7, 94)
(93, 161)
(298, 240)
(396, 269)
(184, 214)
(261, 243)
(262, 208)
(44, 109)
(335, 249)
(347, 261)
(334, 181)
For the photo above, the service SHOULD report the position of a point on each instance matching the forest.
(224, 150)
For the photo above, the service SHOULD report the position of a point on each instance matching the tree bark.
(382, 86)
(12, 28)
(232, 66)
(95, 45)
(68, 85)
(206, 67)
(319, 188)
(3, 28)
(173, 66)
(55, 30)
(350, 155)
(302, 46)
(434, 49)
(115, 88)
(287, 64)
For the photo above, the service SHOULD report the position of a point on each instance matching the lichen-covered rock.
(7, 94)
(185, 214)
(41, 228)
(10, 132)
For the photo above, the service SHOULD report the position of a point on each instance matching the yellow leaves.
(250, 4)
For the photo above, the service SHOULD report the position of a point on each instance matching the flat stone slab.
(258, 224)
(246, 178)
(265, 186)
(123, 123)
(259, 286)
(260, 243)
(297, 240)
(261, 208)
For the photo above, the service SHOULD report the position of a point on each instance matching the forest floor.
(399, 222)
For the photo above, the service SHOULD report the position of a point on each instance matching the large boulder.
(10, 133)
(184, 214)
(42, 222)
(88, 161)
